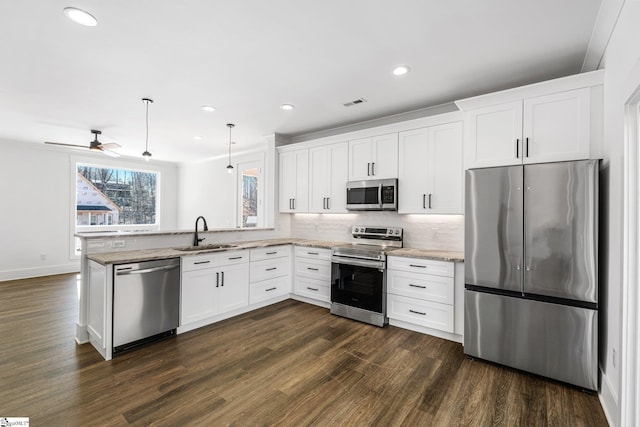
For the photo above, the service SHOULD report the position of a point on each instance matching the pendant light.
(229, 166)
(147, 154)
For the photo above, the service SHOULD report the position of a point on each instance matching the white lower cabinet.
(313, 273)
(213, 284)
(421, 292)
(270, 273)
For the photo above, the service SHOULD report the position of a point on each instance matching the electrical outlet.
(613, 357)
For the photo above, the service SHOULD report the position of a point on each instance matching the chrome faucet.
(196, 241)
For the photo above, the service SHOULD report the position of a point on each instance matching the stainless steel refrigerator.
(531, 268)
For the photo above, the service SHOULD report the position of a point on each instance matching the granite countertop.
(453, 256)
(140, 255)
(125, 257)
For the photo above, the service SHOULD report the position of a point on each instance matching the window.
(250, 197)
(111, 199)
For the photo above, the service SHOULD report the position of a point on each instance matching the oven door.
(357, 284)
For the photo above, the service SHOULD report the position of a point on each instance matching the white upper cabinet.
(328, 172)
(557, 127)
(430, 170)
(373, 157)
(552, 121)
(495, 133)
(294, 181)
(534, 130)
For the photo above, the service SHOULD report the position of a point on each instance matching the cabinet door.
(338, 177)
(287, 177)
(360, 159)
(294, 181)
(384, 156)
(319, 168)
(494, 136)
(233, 292)
(198, 293)
(413, 174)
(445, 169)
(557, 127)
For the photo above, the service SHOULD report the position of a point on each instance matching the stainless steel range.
(359, 275)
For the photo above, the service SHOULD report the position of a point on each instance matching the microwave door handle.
(380, 194)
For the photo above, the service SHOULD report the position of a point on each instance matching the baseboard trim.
(27, 273)
(608, 399)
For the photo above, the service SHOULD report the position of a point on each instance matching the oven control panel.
(361, 231)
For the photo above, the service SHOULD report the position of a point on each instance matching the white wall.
(621, 56)
(36, 210)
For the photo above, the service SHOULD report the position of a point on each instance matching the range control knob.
(397, 231)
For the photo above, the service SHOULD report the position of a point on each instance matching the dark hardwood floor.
(290, 364)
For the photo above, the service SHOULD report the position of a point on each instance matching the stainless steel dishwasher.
(146, 302)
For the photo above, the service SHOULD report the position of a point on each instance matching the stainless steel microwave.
(372, 195)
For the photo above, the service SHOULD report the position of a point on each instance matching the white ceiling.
(58, 79)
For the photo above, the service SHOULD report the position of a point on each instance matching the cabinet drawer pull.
(312, 269)
(417, 266)
(526, 147)
(517, 148)
(217, 280)
(235, 257)
(424, 201)
(429, 200)
(222, 278)
(417, 286)
(272, 253)
(312, 289)
(271, 269)
(373, 169)
(270, 289)
(368, 169)
(417, 312)
(202, 262)
(313, 253)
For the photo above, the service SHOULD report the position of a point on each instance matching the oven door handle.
(359, 263)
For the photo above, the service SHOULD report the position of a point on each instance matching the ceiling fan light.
(81, 17)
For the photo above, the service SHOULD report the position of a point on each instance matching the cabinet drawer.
(198, 262)
(420, 312)
(417, 265)
(313, 288)
(269, 252)
(268, 269)
(233, 257)
(314, 268)
(424, 286)
(315, 253)
(267, 289)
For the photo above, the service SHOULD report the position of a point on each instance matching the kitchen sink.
(205, 247)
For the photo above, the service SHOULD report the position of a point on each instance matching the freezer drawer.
(551, 340)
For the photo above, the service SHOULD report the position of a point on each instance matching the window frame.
(78, 162)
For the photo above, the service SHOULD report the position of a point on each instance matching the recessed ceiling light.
(401, 70)
(287, 107)
(197, 137)
(208, 108)
(80, 17)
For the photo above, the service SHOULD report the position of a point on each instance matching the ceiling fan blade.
(65, 145)
(110, 153)
(110, 146)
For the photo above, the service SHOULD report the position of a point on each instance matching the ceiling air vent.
(355, 102)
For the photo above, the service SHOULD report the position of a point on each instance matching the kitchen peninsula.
(259, 272)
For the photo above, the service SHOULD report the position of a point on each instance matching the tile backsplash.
(436, 232)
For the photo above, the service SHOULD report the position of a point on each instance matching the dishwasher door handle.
(148, 270)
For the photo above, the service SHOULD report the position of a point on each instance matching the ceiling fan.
(94, 145)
